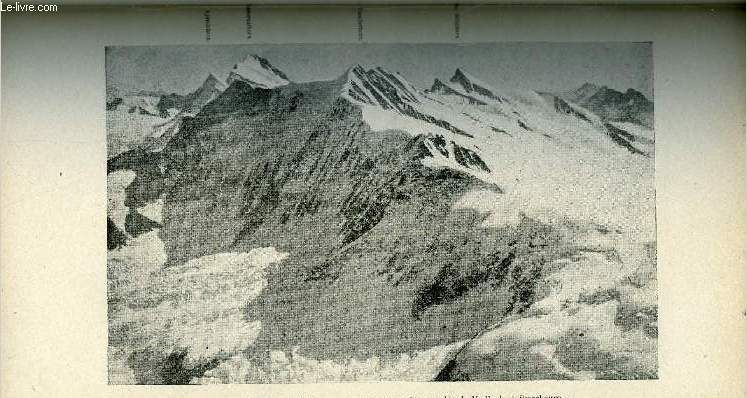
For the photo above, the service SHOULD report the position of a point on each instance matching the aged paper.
(426, 201)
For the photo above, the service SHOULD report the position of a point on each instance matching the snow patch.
(153, 211)
(116, 183)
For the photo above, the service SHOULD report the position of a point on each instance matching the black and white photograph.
(312, 213)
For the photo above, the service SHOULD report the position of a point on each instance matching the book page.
(385, 201)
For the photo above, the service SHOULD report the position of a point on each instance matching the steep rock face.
(471, 84)
(115, 238)
(148, 183)
(631, 106)
(562, 106)
(440, 87)
(623, 138)
(284, 155)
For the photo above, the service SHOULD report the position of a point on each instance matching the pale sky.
(541, 66)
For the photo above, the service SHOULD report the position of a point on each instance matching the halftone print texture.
(398, 212)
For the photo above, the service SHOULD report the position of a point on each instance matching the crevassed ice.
(197, 307)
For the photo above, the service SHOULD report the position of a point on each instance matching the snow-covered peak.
(379, 87)
(467, 79)
(258, 72)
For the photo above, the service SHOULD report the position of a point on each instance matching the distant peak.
(460, 77)
(258, 72)
(588, 87)
(587, 90)
(439, 85)
(459, 73)
(632, 91)
(636, 95)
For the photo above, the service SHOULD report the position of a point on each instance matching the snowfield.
(550, 165)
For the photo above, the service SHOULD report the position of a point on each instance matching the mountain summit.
(208, 91)
(258, 72)
(194, 101)
(471, 84)
(582, 93)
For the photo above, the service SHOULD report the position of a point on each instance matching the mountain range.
(612, 105)
(412, 218)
